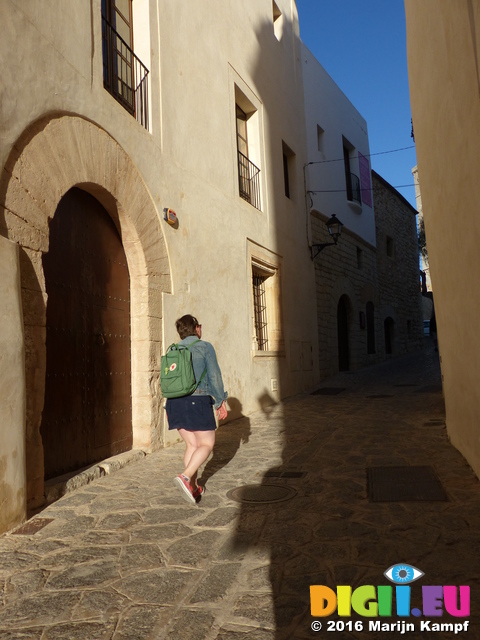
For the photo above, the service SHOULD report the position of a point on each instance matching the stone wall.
(346, 269)
(398, 267)
(443, 70)
(12, 406)
(367, 274)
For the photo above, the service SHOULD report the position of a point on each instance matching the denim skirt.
(193, 413)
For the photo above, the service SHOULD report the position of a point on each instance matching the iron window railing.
(354, 193)
(249, 181)
(260, 311)
(125, 77)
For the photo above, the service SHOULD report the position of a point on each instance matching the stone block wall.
(349, 268)
(387, 275)
(398, 266)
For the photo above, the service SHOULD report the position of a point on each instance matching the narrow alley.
(292, 500)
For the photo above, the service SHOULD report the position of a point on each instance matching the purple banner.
(365, 179)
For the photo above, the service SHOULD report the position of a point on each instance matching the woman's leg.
(204, 442)
(190, 444)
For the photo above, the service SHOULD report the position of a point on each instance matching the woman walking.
(193, 415)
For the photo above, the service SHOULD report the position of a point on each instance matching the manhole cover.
(261, 493)
(328, 391)
(404, 484)
(31, 527)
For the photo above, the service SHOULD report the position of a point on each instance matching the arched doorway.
(389, 328)
(53, 155)
(87, 413)
(342, 332)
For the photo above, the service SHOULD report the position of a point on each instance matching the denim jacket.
(203, 355)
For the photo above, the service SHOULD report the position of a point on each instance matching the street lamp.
(334, 227)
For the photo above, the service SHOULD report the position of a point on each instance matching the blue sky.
(362, 46)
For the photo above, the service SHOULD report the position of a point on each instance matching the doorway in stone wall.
(342, 332)
(389, 329)
(87, 413)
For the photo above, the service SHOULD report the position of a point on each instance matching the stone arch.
(53, 155)
(344, 288)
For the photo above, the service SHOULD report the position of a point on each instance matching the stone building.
(149, 171)
(424, 265)
(443, 63)
(400, 327)
(112, 112)
(367, 286)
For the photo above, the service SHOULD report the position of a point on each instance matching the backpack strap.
(185, 346)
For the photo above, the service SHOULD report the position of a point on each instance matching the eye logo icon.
(403, 573)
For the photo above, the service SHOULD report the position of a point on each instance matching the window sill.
(356, 206)
(268, 354)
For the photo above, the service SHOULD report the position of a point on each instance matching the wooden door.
(87, 413)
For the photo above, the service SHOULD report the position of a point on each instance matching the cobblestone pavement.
(125, 558)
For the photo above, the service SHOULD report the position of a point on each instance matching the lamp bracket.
(319, 247)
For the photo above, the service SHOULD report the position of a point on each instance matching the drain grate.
(261, 493)
(328, 391)
(404, 484)
(31, 527)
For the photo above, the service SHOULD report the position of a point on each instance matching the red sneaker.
(184, 484)
(198, 493)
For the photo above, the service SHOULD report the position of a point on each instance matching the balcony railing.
(125, 77)
(354, 194)
(249, 181)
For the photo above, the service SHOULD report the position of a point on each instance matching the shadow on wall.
(267, 527)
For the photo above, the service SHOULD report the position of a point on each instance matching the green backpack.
(177, 378)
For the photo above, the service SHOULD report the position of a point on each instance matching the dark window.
(389, 247)
(320, 138)
(370, 327)
(119, 15)
(352, 181)
(124, 75)
(242, 143)
(248, 173)
(285, 175)
(288, 171)
(260, 310)
(348, 180)
(389, 328)
(359, 258)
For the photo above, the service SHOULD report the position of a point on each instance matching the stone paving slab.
(125, 558)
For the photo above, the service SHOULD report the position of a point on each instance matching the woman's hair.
(186, 326)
